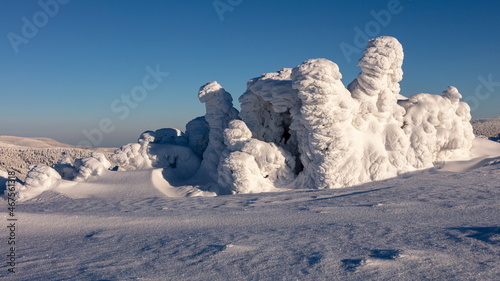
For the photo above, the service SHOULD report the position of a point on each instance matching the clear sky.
(68, 65)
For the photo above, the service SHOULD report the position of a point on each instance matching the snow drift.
(302, 128)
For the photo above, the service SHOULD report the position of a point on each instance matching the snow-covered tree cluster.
(302, 128)
(19, 159)
(487, 127)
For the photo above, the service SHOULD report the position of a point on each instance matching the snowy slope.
(13, 141)
(428, 225)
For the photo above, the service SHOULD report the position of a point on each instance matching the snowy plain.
(426, 225)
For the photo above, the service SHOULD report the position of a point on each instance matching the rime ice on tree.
(220, 111)
(301, 128)
(343, 137)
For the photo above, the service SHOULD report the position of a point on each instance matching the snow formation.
(220, 111)
(40, 178)
(341, 137)
(94, 165)
(302, 128)
(249, 165)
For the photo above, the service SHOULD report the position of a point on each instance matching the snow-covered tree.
(302, 128)
(40, 178)
(323, 125)
(95, 165)
(219, 112)
(438, 127)
(250, 165)
(197, 131)
(379, 116)
(65, 167)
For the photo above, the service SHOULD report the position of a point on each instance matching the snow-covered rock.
(132, 156)
(266, 109)
(180, 161)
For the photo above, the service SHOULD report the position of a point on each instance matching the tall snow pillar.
(377, 86)
(379, 116)
(323, 126)
(219, 112)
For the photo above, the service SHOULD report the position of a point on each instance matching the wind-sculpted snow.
(302, 128)
(344, 137)
(323, 125)
(250, 165)
(197, 131)
(438, 127)
(377, 86)
(266, 107)
(220, 111)
(94, 165)
(379, 117)
(40, 178)
(166, 148)
(65, 166)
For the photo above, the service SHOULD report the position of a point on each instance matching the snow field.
(427, 226)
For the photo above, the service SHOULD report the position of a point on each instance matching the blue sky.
(84, 55)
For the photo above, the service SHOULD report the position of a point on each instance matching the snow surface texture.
(429, 225)
(302, 128)
(298, 128)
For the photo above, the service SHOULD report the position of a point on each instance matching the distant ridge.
(487, 127)
(13, 142)
(18, 153)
